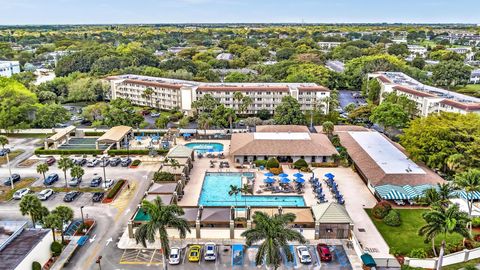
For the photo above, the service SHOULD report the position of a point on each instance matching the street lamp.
(9, 170)
(104, 175)
(81, 212)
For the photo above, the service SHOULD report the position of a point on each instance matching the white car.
(304, 254)
(109, 183)
(92, 163)
(155, 115)
(210, 252)
(174, 257)
(20, 193)
(45, 194)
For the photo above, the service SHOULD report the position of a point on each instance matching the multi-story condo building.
(8, 68)
(171, 93)
(417, 50)
(429, 99)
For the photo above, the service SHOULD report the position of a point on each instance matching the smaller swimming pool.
(205, 147)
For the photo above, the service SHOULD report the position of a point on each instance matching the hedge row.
(42, 151)
(116, 188)
(94, 133)
(113, 152)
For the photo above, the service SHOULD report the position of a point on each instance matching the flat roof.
(19, 248)
(115, 134)
(388, 157)
(281, 136)
(62, 133)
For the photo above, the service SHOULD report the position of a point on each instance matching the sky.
(18, 12)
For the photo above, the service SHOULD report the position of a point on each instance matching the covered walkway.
(115, 135)
(60, 137)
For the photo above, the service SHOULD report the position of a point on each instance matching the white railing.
(457, 257)
(381, 262)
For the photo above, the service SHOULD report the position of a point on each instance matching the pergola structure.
(115, 135)
(60, 137)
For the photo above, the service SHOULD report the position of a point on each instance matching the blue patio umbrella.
(329, 175)
(269, 180)
(284, 180)
(299, 175)
(187, 134)
(210, 150)
(283, 175)
(269, 174)
(300, 180)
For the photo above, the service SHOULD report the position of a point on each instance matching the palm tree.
(328, 128)
(234, 190)
(430, 197)
(455, 162)
(161, 217)
(230, 115)
(64, 164)
(470, 182)
(53, 221)
(445, 192)
(238, 96)
(148, 94)
(42, 168)
(245, 190)
(204, 122)
(3, 141)
(77, 171)
(274, 234)
(65, 214)
(31, 205)
(246, 102)
(441, 220)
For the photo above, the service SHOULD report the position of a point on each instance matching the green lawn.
(470, 89)
(405, 237)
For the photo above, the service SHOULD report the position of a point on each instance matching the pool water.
(217, 185)
(205, 147)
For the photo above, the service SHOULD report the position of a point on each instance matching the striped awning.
(411, 192)
(407, 192)
(475, 195)
(396, 195)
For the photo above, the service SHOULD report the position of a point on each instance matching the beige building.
(168, 94)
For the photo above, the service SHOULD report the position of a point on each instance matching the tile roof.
(412, 91)
(154, 84)
(340, 128)
(313, 89)
(282, 128)
(233, 88)
(461, 105)
(331, 213)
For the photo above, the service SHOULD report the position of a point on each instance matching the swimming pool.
(217, 185)
(205, 147)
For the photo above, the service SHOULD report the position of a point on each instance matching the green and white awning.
(407, 192)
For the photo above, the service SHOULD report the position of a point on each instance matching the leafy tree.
(46, 96)
(183, 123)
(31, 205)
(309, 73)
(27, 78)
(16, 103)
(285, 53)
(206, 103)
(42, 168)
(346, 53)
(204, 122)
(53, 221)
(371, 89)
(418, 62)
(237, 77)
(47, 116)
(95, 111)
(162, 121)
(161, 217)
(441, 220)
(288, 112)
(446, 55)
(77, 171)
(264, 114)
(65, 214)
(389, 115)
(64, 164)
(122, 113)
(328, 128)
(451, 74)
(3, 141)
(398, 49)
(86, 89)
(251, 55)
(456, 162)
(408, 106)
(274, 234)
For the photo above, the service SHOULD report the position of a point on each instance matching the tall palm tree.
(246, 190)
(161, 217)
(274, 234)
(42, 168)
(430, 197)
(77, 172)
(53, 221)
(234, 190)
(238, 96)
(328, 128)
(31, 205)
(445, 192)
(441, 220)
(64, 164)
(246, 102)
(470, 182)
(204, 122)
(230, 115)
(65, 214)
(148, 94)
(3, 141)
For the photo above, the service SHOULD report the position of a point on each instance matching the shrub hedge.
(42, 151)
(259, 163)
(116, 188)
(113, 152)
(381, 209)
(163, 177)
(136, 162)
(272, 163)
(56, 248)
(418, 253)
(324, 164)
(301, 163)
(393, 219)
(94, 133)
(36, 266)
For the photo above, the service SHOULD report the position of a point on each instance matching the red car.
(324, 252)
(50, 161)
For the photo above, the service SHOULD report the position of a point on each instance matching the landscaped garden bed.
(113, 193)
(135, 164)
(11, 156)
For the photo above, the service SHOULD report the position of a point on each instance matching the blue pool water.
(217, 185)
(205, 147)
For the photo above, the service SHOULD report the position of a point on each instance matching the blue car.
(52, 178)
(15, 178)
(96, 181)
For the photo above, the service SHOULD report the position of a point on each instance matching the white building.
(171, 93)
(429, 99)
(461, 50)
(8, 68)
(328, 45)
(225, 56)
(417, 50)
(475, 76)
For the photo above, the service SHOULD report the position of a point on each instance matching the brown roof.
(154, 84)
(303, 215)
(229, 88)
(190, 214)
(384, 79)
(167, 188)
(215, 215)
(461, 105)
(115, 134)
(245, 144)
(166, 198)
(313, 89)
(374, 173)
(412, 91)
(342, 128)
(282, 128)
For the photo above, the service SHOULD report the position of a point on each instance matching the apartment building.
(328, 45)
(417, 50)
(429, 99)
(8, 68)
(168, 94)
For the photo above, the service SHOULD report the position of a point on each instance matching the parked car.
(75, 181)
(50, 161)
(155, 115)
(61, 125)
(194, 253)
(126, 162)
(115, 161)
(70, 196)
(93, 162)
(145, 112)
(51, 178)
(174, 257)
(14, 178)
(4, 151)
(80, 161)
(45, 194)
(98, 196)
(20, 193)
(96, 181)
(210, 252)
(304, 254)
(324, 252)
(109, 183)
(104, 162)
